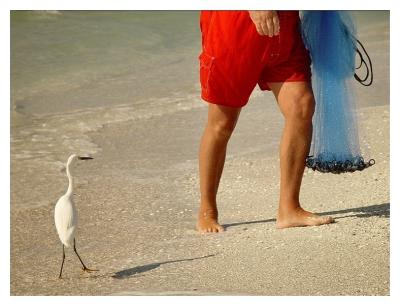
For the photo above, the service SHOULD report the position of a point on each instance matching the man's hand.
(266, 22)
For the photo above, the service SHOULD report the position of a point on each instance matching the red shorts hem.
(266, 87)
(208, 99)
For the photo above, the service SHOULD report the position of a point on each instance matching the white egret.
(65, 215)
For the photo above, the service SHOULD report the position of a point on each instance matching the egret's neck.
(70, 180)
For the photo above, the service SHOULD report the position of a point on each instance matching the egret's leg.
(86, 269)
(62, 264)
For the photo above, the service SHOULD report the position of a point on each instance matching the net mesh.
(330, 38)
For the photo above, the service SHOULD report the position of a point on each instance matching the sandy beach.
(139, 230)
(138, 198)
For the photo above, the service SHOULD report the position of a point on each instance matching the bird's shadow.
(380, 210)
(140, 269)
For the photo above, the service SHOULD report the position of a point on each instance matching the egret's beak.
(84, 157)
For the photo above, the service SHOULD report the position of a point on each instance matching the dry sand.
(137, 203)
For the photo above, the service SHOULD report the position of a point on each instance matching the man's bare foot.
(301, 217)
(208, 222)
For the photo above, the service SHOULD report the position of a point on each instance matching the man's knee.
(222, 121)
(301, 107)
(223, 128)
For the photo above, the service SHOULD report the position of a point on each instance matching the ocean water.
(72, 72)
(63, 61)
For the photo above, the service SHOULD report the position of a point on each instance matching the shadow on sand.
(140, 269)
(380, 210)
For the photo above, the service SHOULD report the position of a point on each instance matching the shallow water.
(72, 72)
(63, 61)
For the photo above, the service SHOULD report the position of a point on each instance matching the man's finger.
(275, 20)
(264, 28)
(270, 27)
(259, 29)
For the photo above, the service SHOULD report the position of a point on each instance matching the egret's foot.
(208, 221)
(301, 217)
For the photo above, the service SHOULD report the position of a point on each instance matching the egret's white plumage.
(66, 220)
(65, 215)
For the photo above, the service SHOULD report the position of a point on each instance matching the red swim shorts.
(235, 57)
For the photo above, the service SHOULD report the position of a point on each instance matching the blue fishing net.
(330, 38)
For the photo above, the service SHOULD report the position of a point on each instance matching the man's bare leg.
(297, 104)
(220, 125)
